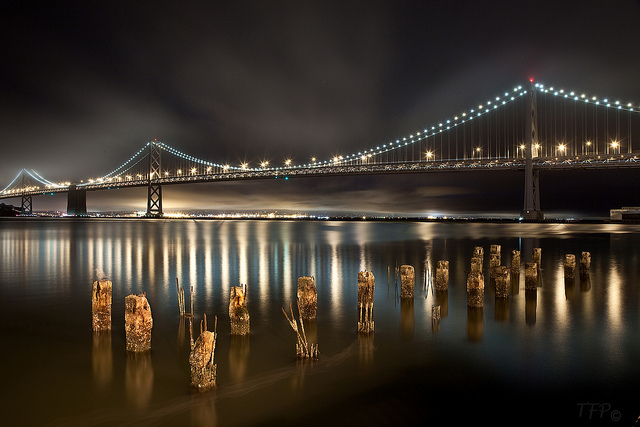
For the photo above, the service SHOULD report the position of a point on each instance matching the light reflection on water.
(577, 335)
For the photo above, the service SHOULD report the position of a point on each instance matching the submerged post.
(238, 312)
(137, 323)
(101, 305)
(366, 288)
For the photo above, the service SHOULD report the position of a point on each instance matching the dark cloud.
(85, 84)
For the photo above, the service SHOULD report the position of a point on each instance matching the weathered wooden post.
(569, 266)
(585, 263)
(101, 305)
(503, 281)
(366, 288)
(307, 297)
(476, 265)
(537, 257)
(202, 359)
(442, 275)
(138, 323)
(515, 262)
(475, 290)
(495, 258)
(407, 280)
(478, 252)
(238, 312)
(530, 276)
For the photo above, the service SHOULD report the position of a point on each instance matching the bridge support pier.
(27, 205)
(531, 209)
(76, 201)
(154, 200)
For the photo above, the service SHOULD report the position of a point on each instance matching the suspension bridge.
(528, 128)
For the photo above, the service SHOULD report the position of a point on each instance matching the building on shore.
(625, 214)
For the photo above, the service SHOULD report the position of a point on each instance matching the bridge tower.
(154, 193)
(531, 209)
(27, 201)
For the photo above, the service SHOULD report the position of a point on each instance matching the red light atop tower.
(531, 79)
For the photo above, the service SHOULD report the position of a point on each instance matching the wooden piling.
(101, 305)
(585, 263)
(442, 275)
(478, 252)
(476, 265)
(238, 312)
(366, 288)
(569, 266)
(537, 257)
(407, 281)
(307, 297)
(531, 276)
(138, 323)
(202, 359)
(475, 290)
(515, 262)
(503, 281)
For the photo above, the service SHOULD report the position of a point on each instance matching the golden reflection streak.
(263, 269)
(243, 269)
(287, 274)
(193, 265)
(208, 266)
(224, 258)
(139, 272)
(614, 301)
(562, 293)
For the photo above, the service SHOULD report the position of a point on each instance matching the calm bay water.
(566, 353)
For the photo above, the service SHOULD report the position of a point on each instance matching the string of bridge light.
(36, 176)
(190, 158)
(122, 166)
(428, 132)
(586, 99)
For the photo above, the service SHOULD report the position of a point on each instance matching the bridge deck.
(547, 163)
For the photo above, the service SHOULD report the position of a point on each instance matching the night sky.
(84, 85)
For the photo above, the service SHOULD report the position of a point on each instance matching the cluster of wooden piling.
(238, 312)
(202, 358)
(570, 265)
(139, 321)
